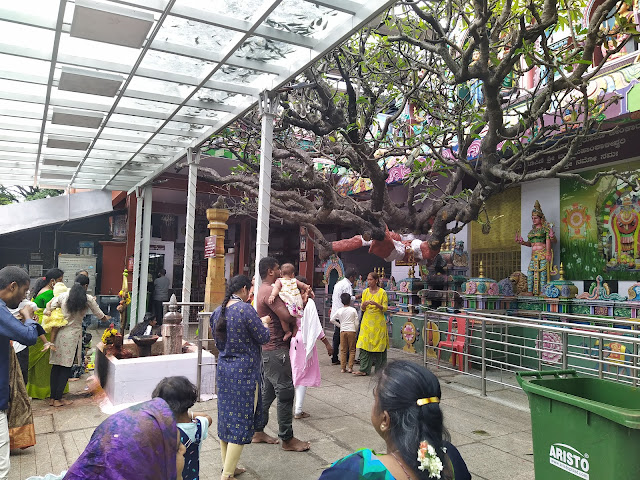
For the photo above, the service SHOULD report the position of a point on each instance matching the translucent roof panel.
(111, 108)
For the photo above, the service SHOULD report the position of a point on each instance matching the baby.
(52, 323)
(290, 291)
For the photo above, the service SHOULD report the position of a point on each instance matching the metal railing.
(323, 304)
(497, 345)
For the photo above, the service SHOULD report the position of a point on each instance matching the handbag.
(22, 432)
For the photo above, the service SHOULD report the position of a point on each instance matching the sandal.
(360, 374)
(343, 371)
(298, 416)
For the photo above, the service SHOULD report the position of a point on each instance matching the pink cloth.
(305, 373)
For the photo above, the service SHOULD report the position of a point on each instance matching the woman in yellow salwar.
(541, 238)
(373, 340)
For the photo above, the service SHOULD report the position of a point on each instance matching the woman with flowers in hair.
(407, 415)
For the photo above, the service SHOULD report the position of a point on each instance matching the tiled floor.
(493, 433)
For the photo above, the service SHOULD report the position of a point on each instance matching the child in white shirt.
(346, 318)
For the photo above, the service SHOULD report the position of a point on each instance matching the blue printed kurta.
(239, 372)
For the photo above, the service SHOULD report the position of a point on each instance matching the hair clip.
(424, 401)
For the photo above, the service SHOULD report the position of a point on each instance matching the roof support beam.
(52, 69)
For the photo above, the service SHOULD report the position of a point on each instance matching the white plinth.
(132, 380)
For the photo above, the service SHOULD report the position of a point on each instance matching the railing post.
(634, 363)
(425, 336)
(483, 387)
(541, 344)
(199, 369)
(565, 350)
(600, 357)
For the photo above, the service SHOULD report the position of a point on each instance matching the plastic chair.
(455, 341)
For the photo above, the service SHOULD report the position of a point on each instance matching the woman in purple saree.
(138, 443)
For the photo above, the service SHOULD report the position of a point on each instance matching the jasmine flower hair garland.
(429, 460)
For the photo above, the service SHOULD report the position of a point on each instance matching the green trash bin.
(582, 427)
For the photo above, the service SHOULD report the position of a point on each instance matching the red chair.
(455, 341)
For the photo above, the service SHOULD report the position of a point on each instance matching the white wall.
(400, 272)
(547, 192)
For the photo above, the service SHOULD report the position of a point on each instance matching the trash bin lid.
(614, 401)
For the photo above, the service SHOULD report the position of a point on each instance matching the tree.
(19, 193)
(458, 66)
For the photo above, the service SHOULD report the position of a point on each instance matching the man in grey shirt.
(160, 293)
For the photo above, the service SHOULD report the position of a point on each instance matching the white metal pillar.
(135, 275)
(193, 159)
(268, 107)
(144, 253)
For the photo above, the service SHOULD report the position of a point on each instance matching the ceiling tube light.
(56, 176)
(59, 162)
(76, 118)
(110, 23)
(89, 81)
(68, 143)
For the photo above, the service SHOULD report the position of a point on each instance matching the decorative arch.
(332, 263)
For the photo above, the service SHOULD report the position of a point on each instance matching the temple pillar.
(307, 267)
(215, 287)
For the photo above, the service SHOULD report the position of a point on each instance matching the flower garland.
(126, 296)
(429, 460)
(108, 333)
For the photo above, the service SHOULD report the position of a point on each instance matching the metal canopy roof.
(108, 94)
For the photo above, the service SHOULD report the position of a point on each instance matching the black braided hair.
(51, 274)
(235, 284)
(400, 385)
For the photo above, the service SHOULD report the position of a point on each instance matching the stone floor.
(493, 433)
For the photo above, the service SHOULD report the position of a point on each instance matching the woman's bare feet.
(239, 471)
(58, 403)
(295, 445)
(261, 437)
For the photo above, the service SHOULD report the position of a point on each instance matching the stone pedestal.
(215, 288)
(172, 329)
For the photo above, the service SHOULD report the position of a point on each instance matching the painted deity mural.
(600, 227)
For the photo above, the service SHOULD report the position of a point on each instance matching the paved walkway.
(492, 433)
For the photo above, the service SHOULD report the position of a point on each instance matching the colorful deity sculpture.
(625, 231)
(540, 239)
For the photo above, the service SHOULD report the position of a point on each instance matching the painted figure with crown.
(540, 239)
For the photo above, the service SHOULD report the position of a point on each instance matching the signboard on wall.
(210, 247)
(35, 270)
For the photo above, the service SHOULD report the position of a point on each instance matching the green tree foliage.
(19, 193)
